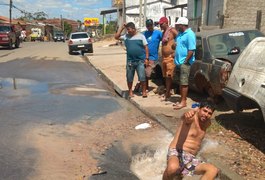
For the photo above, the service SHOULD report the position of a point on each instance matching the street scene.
(73, 107)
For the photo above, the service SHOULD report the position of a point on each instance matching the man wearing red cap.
(168, 51)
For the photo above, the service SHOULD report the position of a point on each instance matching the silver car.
(80, 41)
(246, 86)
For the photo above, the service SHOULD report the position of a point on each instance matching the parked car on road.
(80, 41)
(9, 35)
(58, 36)
(216, 53)
(246, 85)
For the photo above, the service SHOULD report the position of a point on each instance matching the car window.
(79, 36)
(221, 44)
(198, 52)
(4, 28)
(255, 60)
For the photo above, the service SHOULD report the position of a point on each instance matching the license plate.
(81, 46)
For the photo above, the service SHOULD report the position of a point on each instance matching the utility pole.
(145, 11)
(140, 13)
(10, 11)
(123, 11)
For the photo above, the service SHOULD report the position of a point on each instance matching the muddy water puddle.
(28, 104)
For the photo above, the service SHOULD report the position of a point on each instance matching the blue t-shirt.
(186, 41)
(135, 47)
(153, 38)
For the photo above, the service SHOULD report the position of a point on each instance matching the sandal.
(137, 87)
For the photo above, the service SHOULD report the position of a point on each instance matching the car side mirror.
(234, 50)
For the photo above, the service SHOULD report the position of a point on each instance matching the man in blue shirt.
(184, 57)
(137, 55)
(153, 38)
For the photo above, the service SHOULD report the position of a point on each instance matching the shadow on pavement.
(246, 126)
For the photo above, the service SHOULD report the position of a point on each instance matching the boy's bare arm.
(118, 33)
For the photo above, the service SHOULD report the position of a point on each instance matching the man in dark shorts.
(184, 57)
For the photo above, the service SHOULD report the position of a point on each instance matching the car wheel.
(10, 45)
(82, 53)
(17, 43)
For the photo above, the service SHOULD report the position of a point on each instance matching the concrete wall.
(153, 11)
(242, 13)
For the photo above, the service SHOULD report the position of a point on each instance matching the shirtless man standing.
(168, 52)
(182, 150)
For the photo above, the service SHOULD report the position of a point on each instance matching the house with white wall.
(138, 11)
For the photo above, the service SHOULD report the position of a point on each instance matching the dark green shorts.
(184, 74)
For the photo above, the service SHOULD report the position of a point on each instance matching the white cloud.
(72, 9)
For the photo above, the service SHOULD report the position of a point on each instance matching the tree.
(35, 16)
(40, 15)
(67, 28)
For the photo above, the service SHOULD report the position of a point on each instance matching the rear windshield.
(79, 36)
(4, 28)
(222, 43)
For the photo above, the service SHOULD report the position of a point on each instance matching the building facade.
(228, 13)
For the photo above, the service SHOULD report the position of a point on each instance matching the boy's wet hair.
(130, 25)
(207, 104)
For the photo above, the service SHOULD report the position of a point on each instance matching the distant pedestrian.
(184, 57)
(153, 38)
(182, 151)
(168, 53)
(137, 55)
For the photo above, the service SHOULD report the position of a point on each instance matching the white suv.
(246, 86)
(80, 41)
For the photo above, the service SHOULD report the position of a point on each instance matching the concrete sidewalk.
(110, 62)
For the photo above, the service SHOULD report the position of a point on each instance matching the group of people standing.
(178, 51)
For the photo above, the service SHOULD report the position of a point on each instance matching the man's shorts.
(168, 66)
(137, 66)
(184, 74)
(149, 68)
(187, 161)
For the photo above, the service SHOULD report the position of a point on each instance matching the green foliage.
(40, 15)
(34, 16)
(67, 28)
(111, 27)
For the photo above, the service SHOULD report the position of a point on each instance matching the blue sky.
(70, 9)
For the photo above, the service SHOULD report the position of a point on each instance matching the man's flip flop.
(179, 106)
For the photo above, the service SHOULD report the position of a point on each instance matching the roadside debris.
(143, 126)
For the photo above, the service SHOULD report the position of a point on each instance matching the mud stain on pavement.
(73, 150)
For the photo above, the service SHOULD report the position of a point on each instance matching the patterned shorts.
(187, 161)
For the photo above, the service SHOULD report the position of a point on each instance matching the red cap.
(163, 20)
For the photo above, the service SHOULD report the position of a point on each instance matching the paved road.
(50, 101)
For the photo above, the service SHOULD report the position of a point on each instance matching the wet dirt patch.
(72, 151)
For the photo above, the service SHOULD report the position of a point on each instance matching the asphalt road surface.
(59, 119)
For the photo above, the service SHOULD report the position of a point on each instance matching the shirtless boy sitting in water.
(182, 150)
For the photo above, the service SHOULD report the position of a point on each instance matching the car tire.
(10, 45)
(17, 43)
